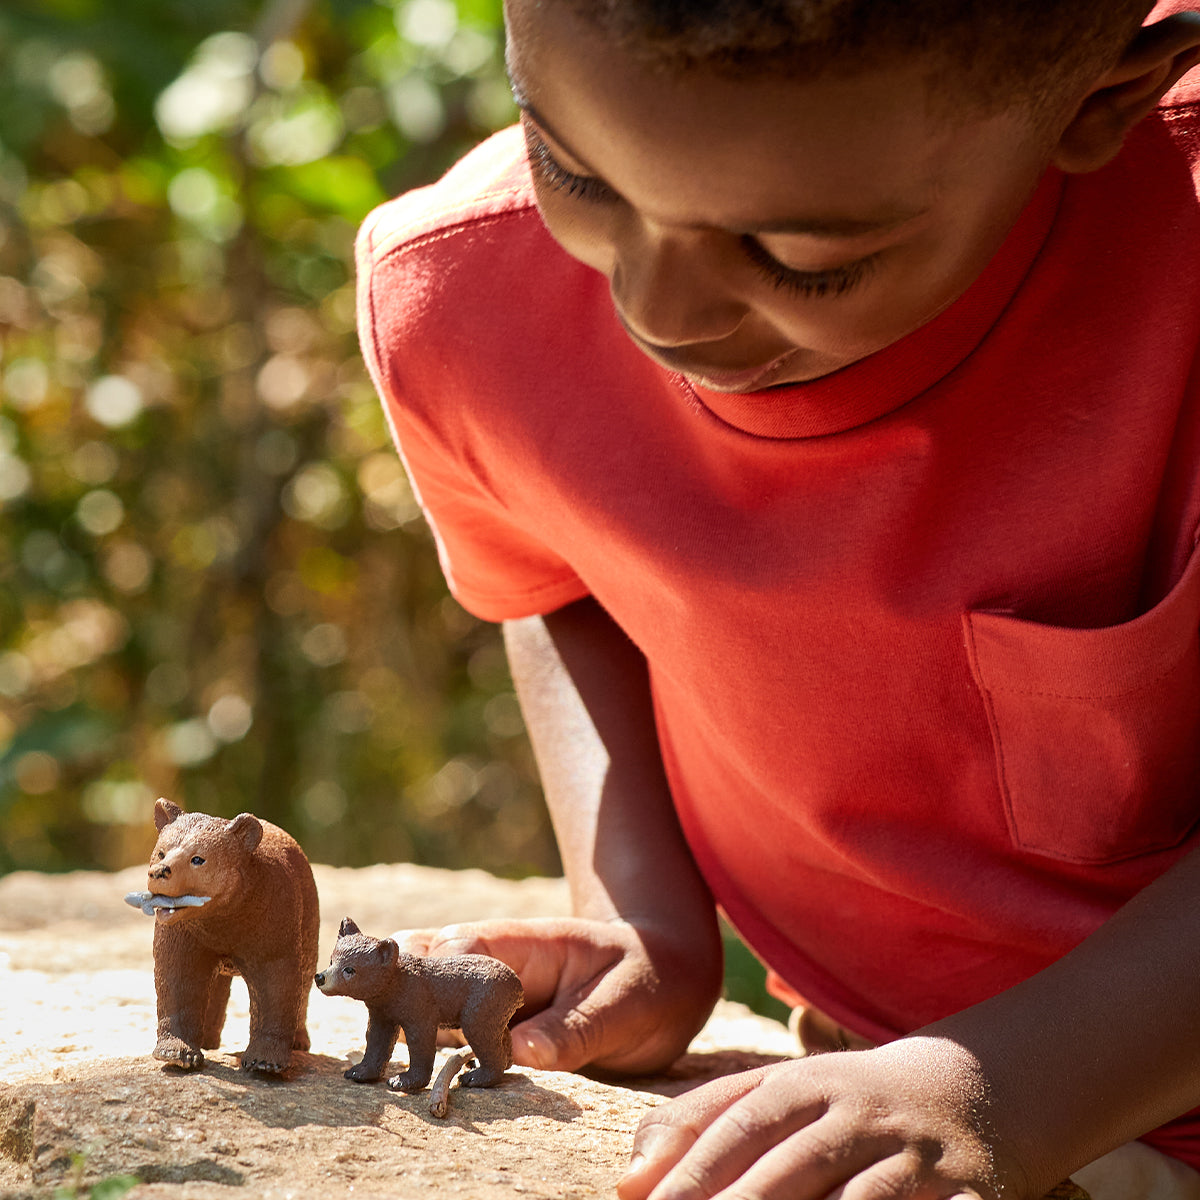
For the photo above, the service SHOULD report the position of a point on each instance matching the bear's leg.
(183, 977)
(422, 1050)
(274, 1002)
(300, 1039)
(310, 928)
(491, 1046)
(214, 1011)
(381, 1041)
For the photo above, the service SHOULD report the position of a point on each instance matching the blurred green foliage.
(214, 582)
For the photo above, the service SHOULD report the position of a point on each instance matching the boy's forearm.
(1103, 1045)
(585, 694)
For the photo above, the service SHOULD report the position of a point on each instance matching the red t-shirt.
(923, 634)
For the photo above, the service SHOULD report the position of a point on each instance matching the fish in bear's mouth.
(155, 905)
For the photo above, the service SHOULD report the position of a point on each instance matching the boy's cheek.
(584, 236)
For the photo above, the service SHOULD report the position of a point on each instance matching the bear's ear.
(165, 812)
(247, 829)
(388, 951)
(348, 928)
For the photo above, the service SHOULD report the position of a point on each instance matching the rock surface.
(83, 1105)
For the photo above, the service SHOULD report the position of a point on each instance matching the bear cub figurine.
(419, 995)
(229, 898)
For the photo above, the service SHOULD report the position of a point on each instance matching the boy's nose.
(668, 288)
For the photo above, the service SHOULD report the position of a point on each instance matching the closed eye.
(834, 281)
(550, 172)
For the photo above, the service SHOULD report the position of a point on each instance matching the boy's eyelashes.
(554, 175)
(832, 281)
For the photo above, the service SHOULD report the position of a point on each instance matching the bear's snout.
(319, 979)
(162, 871)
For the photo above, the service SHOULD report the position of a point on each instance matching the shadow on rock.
(312, 1092)
(203, 1170)
(472, 1108)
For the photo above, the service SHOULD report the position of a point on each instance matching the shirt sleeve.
(495, 566)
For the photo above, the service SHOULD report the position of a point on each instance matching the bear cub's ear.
(348, 928)
(388, 951)
(247, 828)
(165, 812)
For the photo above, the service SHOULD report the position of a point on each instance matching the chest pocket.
(1096, 731)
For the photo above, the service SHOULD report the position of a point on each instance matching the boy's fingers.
(528, 948)
(414, 941)
(534, 1047)
(567, 1035)
(792, 1155)
(670, 1131)
(645, 1173)
(583, 1000)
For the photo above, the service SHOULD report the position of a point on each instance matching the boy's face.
(762, 231)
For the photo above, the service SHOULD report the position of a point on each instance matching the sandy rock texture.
(85, 1109)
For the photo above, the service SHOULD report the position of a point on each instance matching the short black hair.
(1004, 51)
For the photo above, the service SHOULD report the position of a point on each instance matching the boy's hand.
(597, 993)
(905, 1120)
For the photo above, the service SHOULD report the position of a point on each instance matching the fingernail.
(631, 1178)
(539, 1052)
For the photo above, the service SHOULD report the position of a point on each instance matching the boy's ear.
(1151, 64)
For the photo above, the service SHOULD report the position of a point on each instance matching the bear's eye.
(161, 854)
(347, 972)
(197, 861)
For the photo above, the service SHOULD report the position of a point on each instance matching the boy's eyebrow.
(833, 227)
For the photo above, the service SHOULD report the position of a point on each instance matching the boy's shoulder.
(491, 184)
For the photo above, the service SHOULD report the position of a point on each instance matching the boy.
(812, 395)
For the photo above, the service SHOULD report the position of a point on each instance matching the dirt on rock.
(84, 1109)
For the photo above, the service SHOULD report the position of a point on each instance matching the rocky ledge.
(84, 1109)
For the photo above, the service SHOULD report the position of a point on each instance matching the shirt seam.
(406, 238)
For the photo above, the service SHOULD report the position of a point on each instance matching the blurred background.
(215, 585)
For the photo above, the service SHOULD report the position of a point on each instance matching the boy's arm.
(1004, 1098)
(627, 982)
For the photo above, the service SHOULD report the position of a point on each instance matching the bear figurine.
(420, 995)
(229, 898)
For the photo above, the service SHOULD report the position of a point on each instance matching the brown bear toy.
(229, 898)
(470, 992)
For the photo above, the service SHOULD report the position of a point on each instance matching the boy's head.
(995, 51)
(777, 189)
